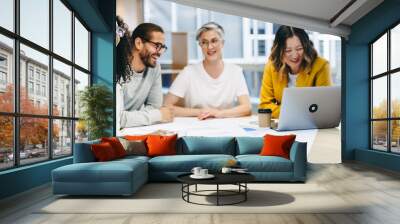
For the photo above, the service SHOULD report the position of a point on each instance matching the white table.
(235, 127)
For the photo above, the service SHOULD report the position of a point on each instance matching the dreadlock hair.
(127, 43)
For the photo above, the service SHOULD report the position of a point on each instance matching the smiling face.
(149, 53)
(211, 45)
(293, 53)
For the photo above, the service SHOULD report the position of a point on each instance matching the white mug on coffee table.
(203, 172)
(226, 170)
(196, 171)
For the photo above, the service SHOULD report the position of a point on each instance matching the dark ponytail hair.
(126, 44)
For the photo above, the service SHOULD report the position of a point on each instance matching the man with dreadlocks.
(139, 90)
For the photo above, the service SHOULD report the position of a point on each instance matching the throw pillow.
(159, 145)
(136, 137)
(103, 152)
(134, 147)
(116, 145)
(277, 145)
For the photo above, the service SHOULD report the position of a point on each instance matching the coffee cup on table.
(264, 118)
(226, 170)
(203, 172)
(196, 171)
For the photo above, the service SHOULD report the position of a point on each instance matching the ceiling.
(325, 16)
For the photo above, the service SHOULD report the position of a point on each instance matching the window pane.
(395, 47)
(275, 28)
(160, 14)
(33, 140)
(81, 45)
(34, 72)
(379, 98)
(35, 21)
(233, 46)
(6, 142)
(7, 14)
(261, 47)
(62, 141)
(81, 81)
(186, 22)
(379, 135)
(395, 94)
(395, 136)
(379, 55)
(253, 80)
(6, 74)
(62, 89)
(81, 131)
(62, 29)
(261, 27)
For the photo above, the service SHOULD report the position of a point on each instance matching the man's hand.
(209, 113)
(167, 114)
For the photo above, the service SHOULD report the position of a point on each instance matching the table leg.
(245, 191)
(217, 194)
(196, 187)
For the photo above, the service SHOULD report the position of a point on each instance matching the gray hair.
(210, 26)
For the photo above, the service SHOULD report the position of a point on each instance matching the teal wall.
(99, 16)
(356, 81)
(24, 178)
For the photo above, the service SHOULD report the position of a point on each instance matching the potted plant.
(96, 103)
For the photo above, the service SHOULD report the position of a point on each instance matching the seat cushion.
(257, 163)
(185, 163)
(111, 171)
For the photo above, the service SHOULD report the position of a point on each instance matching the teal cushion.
(257, 163)
(133, 157)
(193, 145)
(111, 171)
(249, 145)
(185, 163)
(83, 152)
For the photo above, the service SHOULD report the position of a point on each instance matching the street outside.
(29, 156)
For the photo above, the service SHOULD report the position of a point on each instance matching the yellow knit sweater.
(272, 85)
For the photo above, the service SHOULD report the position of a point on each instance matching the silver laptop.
(309, 108)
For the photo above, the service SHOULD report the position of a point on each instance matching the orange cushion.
(136, 137)
(116, 145)
(159, 145)
(103, 152)
(277, 145)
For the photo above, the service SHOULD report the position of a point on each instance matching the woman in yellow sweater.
(293, 62)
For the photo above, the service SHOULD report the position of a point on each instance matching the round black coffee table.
(238, 179)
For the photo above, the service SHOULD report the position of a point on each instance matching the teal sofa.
(125, 176)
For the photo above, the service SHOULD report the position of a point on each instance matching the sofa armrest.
(83, 152)
(298, 155)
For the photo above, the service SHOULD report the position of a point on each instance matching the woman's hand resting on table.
(209, 113)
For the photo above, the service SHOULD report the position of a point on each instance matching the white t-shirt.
(200, 90)
(292, 80)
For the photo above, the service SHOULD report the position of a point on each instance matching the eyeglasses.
(214, 42)
(159, 46)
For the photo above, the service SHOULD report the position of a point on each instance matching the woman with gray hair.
(212, 88)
